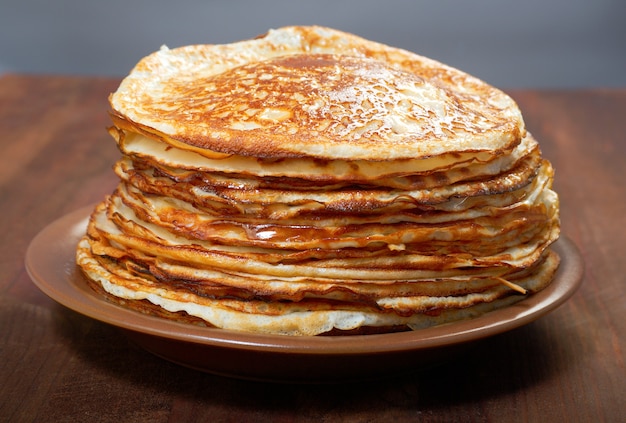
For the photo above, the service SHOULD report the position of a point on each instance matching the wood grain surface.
(59, 366)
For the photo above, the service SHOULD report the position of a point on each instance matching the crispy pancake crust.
(315, 92)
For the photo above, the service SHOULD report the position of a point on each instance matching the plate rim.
(58, 240)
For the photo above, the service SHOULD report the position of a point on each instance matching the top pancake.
(314, 93)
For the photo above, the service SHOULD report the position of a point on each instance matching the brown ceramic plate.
(51, 265)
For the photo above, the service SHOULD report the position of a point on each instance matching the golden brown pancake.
(312, 182)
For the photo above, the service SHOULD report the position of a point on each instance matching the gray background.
(511, 44)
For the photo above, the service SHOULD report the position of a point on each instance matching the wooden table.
(57, 365)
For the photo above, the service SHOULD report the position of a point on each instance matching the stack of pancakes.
(312, 182)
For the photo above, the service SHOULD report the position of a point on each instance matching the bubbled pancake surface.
(316, 92)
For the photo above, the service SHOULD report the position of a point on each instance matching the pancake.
(321, 94)
(311, 182)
